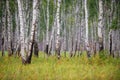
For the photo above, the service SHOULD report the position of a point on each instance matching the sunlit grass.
(50, 68)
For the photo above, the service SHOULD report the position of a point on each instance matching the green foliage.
(68, 3)
(114, 25)
(12, 6)
(107, 3)
(0, 10)
(93, 8)
(50, 68)
(43, 14)
(13, 24)
(103, 55)
(2, 7)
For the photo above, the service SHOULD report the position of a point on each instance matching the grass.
(50, 68)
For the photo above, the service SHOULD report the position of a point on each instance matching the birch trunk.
(82, 42)
(95, 37)
(111, 32)
(65, 33)
(58, 29)
(86, 25)
(64, 43)
(76, 28)
(36, 50)
(21, 32)
(27, 19)
(9, 28)
(47, 30)
(52, 37)
(17, 33)
(100, 25)
(3, 31)
(33, 30)
(43, 45)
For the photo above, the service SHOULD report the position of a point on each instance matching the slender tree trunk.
(3, 31)
(86, 25)
(43, 44)
(47, 30)
(33, 30)
(65, 33)
(51, 38)
(9, 28)
(76, 28)
(110, 42)
(21, 32)
(100, 26)
(58, 29)
(70, 41)
(17, 34)
(36, 50)
(27, 19)
(64, 44)
(82, 28)
(110, 32)
(95, 37)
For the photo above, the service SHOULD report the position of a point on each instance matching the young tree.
(86, 25)
(110, 32)
(9, 28)
(20, 9)
(33, 30)
(58, 29)
(100, 25)
(3, 30)
(47, 30)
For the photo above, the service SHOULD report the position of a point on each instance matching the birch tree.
(3, 30)
(33, 30)
(110, 32)
(47, 30)
(22, 41)
(100, 25)
(58, 29)
(17, 33)
(8, 28)
(86, 25)
(52, 37)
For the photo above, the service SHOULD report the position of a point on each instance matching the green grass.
(49, 68)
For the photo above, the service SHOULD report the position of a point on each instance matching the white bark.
(100, 25)
(8, 28)
(33, 30)
(58, 28)
(47, 36)
(82, 42)
(52, 36)
(47, 30)
(34, 20)
(86, 25)
(26, 22)
(75, 31)
(17, 32)
(86, 21)
(21, 30)
(3, 30)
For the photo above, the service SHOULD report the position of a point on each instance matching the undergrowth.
(50, 68)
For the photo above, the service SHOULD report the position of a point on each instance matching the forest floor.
(50, 68)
